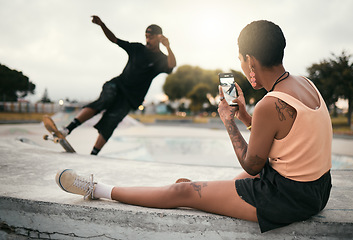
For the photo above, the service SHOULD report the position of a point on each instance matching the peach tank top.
(305, 153)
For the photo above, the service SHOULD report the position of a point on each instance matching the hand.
(242, 114)
(226, 112)
(96, 20)
(164, 40)
(239, 111)
(240, 100)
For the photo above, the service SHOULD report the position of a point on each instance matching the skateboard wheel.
(56, 140)
(45, 137)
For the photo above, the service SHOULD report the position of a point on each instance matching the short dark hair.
(264, 40)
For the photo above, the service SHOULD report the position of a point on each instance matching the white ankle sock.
(103, 191)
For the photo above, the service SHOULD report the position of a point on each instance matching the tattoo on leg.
(198, 186)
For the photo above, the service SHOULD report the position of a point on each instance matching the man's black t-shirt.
(142, 67)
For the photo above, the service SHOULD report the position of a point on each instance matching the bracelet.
(249, 128)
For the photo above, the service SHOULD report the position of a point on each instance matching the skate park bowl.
(179, 145)
(33, 206)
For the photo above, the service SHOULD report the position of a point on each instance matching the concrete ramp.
(32, 206)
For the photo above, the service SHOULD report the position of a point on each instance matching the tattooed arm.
(251, 164)
(227, 114)
(272, 119)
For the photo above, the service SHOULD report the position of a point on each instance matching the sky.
(55, 44)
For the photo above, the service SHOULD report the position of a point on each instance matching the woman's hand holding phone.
(241, 112)
(227, 112)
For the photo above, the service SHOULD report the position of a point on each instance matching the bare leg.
(218, 197)
(85, 114)
(100, 142)
(242, 175)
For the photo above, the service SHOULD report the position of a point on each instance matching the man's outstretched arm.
(107, 32)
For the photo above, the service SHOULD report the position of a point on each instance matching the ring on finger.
(221, 98)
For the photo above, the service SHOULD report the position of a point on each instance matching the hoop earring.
(252, 78)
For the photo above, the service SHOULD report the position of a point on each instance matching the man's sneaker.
(70, 182)
(64, 131)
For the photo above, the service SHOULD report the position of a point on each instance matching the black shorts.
(280, 201)
(116, 107)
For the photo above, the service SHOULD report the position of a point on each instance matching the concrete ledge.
(112, 222)
(108, 220)
(32, 206)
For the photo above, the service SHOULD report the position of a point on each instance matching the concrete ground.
(33, 206)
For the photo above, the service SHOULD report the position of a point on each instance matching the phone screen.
(229, 90)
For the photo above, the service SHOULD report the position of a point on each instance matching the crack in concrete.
(26, 232)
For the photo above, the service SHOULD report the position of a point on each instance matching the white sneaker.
(64, 131)
(70, 182)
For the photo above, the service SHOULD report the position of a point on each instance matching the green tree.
(14, 84)
(321, 74)
(334, 78)
(45, 98)
(179, 84)
(195, 83)
(198, 96)
(344, 78)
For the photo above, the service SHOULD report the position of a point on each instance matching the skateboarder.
(127, 91)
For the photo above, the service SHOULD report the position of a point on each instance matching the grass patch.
(7, 116)
(340, 125)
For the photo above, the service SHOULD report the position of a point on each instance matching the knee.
(181, 190)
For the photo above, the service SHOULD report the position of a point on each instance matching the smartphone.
(227, 83)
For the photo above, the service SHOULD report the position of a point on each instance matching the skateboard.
(55, 135)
